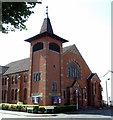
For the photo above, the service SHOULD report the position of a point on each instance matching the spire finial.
(47, 11)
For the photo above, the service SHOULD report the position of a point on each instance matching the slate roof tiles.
(17, 66)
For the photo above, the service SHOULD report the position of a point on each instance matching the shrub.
(19, 107)
(15, 107)
(104, 105)
(20, 103)
(36, 108)
(0, 106)
(42, 109)
(58, 109)
(5, 106)
(24, 108)
(66, 108)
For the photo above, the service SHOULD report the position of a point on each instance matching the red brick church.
(52, 75)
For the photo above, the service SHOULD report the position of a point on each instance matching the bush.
(104, 105)
(19, 107)
(66, 108)
(37, 108)
(5, 106)
(58, 109)
(20, 103)
(0, 106)
(42, 109)
(15, 107)
(24, 108)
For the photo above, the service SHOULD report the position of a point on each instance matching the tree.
(16, 14)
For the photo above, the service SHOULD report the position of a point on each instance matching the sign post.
(76, 99)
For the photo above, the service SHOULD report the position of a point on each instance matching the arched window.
(73, 70)
(25, 93)
(25, 78)
(54, 86)
(37, 46)
(12, 93)
(2, 81)
(5, 95)
(13, 79)
(54, 47)
(85, 95)
(16, 94)
(92, 89)
(5, 81)
(16, 80)
(2, 94)
(95, 88)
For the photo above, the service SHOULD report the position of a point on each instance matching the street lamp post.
(107, 91)
(106, 84)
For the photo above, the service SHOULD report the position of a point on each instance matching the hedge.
(37, 108)
(66, 108)
(16, 107)
(58, 109)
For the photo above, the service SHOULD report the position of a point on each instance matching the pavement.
(84, 114)
(25, 114)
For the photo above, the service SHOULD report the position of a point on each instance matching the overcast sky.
(85, 23)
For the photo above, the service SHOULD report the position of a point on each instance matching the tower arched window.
(38, 46)
(54, 47)
(73, 70)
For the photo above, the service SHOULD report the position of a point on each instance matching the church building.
(52, 75)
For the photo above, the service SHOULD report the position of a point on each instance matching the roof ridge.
(69, 46)
(16, 61)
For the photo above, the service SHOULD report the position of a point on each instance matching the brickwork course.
(52, 75)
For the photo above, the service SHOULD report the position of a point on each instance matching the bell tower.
(45, 69)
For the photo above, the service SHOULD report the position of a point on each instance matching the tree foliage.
(16, 14)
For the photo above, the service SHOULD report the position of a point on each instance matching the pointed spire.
(46, 26)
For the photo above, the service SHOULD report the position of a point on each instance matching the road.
(78, 115)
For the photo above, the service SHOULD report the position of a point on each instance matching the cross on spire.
(47, 11)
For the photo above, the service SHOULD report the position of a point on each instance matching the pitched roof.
(90, 76)
(65, 49)
(0, 70)
(3, 69)
(17, 66)
(46, 34)
(46, 30)
(46, 26)
(69, 48)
